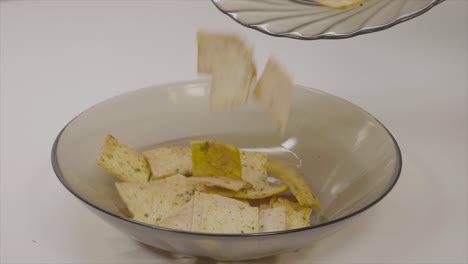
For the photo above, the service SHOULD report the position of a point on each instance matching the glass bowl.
(347, 156)
(307, 20)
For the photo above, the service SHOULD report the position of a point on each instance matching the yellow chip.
(222, 182)
(268, 190)
(340, 4)
(274, 93)
(297, 216)
(123, 162)
(216, 159)
(169, 161)
(296, 183)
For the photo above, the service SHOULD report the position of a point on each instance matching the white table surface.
(60, 57)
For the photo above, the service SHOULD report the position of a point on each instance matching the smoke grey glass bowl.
(347, 156)
(308, 20)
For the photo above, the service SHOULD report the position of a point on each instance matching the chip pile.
(211, 186)
(208, 187)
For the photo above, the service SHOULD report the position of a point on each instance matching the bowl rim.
(329, 35)
(61, 177)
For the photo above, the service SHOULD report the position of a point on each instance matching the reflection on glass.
(196, 91)
(286, 146)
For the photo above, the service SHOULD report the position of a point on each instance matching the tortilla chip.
(156, 200)
(231, 80)
(180, 219)
(171, 193)
(123, 162)
(222, 182)
(263, 203)
(253, 168)
(254, 172)
(200, 199)
(169, 161)
(217, 214)
(272, 219)
(139, 200)
(296, 183)
(229, 219)
(230, 62)
(210, 46)
(216, 159)
(274, 92)
(224, 200)
(268, 190)
(297, 216)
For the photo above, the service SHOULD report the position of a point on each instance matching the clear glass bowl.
(305, 19)
(347, 156)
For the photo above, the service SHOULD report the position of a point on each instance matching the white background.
(60, 57)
